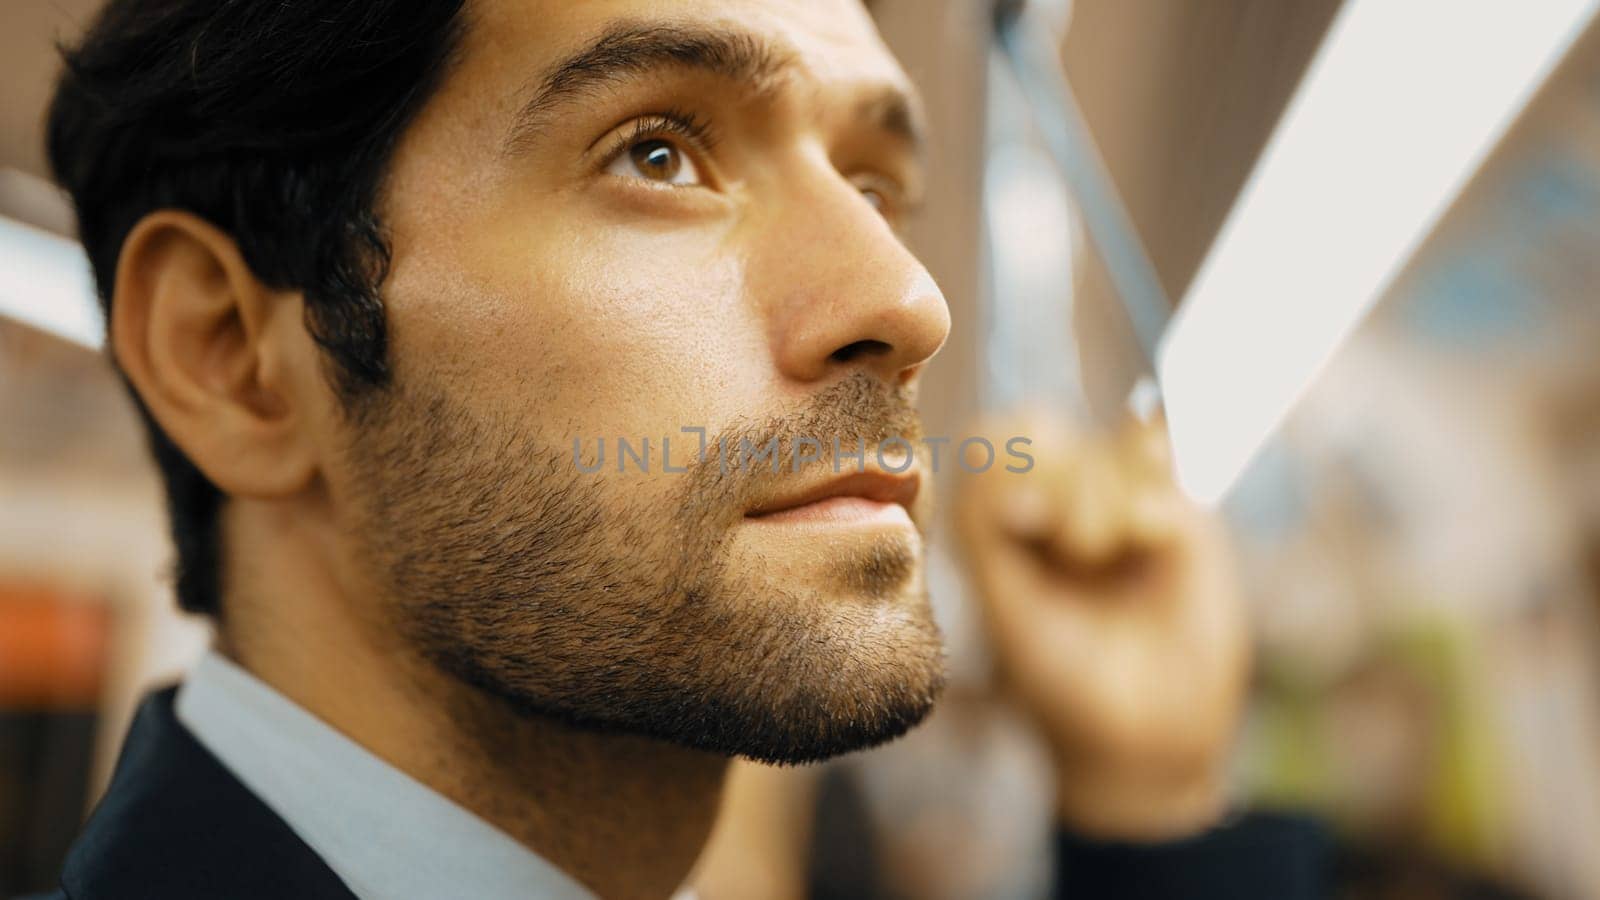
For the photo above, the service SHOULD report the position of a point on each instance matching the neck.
(627, 816)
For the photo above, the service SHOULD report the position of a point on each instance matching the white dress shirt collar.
(387, 835)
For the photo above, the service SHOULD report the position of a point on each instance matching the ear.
(216, 356)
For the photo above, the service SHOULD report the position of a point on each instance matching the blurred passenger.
(1118, 626)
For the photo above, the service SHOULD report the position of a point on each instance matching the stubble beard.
(541, 586)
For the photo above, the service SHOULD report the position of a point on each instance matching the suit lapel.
(176, 824)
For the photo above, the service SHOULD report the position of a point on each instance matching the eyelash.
(678, 123)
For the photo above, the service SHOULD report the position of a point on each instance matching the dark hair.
(275, 122)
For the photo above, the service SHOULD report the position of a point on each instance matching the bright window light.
(45, 282)
(1402, 103)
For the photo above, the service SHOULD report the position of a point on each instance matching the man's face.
(620, 219)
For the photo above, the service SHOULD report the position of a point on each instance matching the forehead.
(832, 42)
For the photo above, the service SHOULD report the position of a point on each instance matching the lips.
(877, 487)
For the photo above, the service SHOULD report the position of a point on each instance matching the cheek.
(604, 331)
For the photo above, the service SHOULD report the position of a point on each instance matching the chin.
(866, 672)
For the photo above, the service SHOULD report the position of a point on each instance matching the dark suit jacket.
(175, 825)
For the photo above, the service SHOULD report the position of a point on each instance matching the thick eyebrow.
(631, 49)
(892, 110)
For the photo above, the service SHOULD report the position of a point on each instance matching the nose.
(845, 294)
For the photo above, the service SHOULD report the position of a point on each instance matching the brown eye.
(656, 160)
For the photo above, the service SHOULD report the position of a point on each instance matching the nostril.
(858, 349)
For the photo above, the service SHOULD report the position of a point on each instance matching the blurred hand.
(1116, 623)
